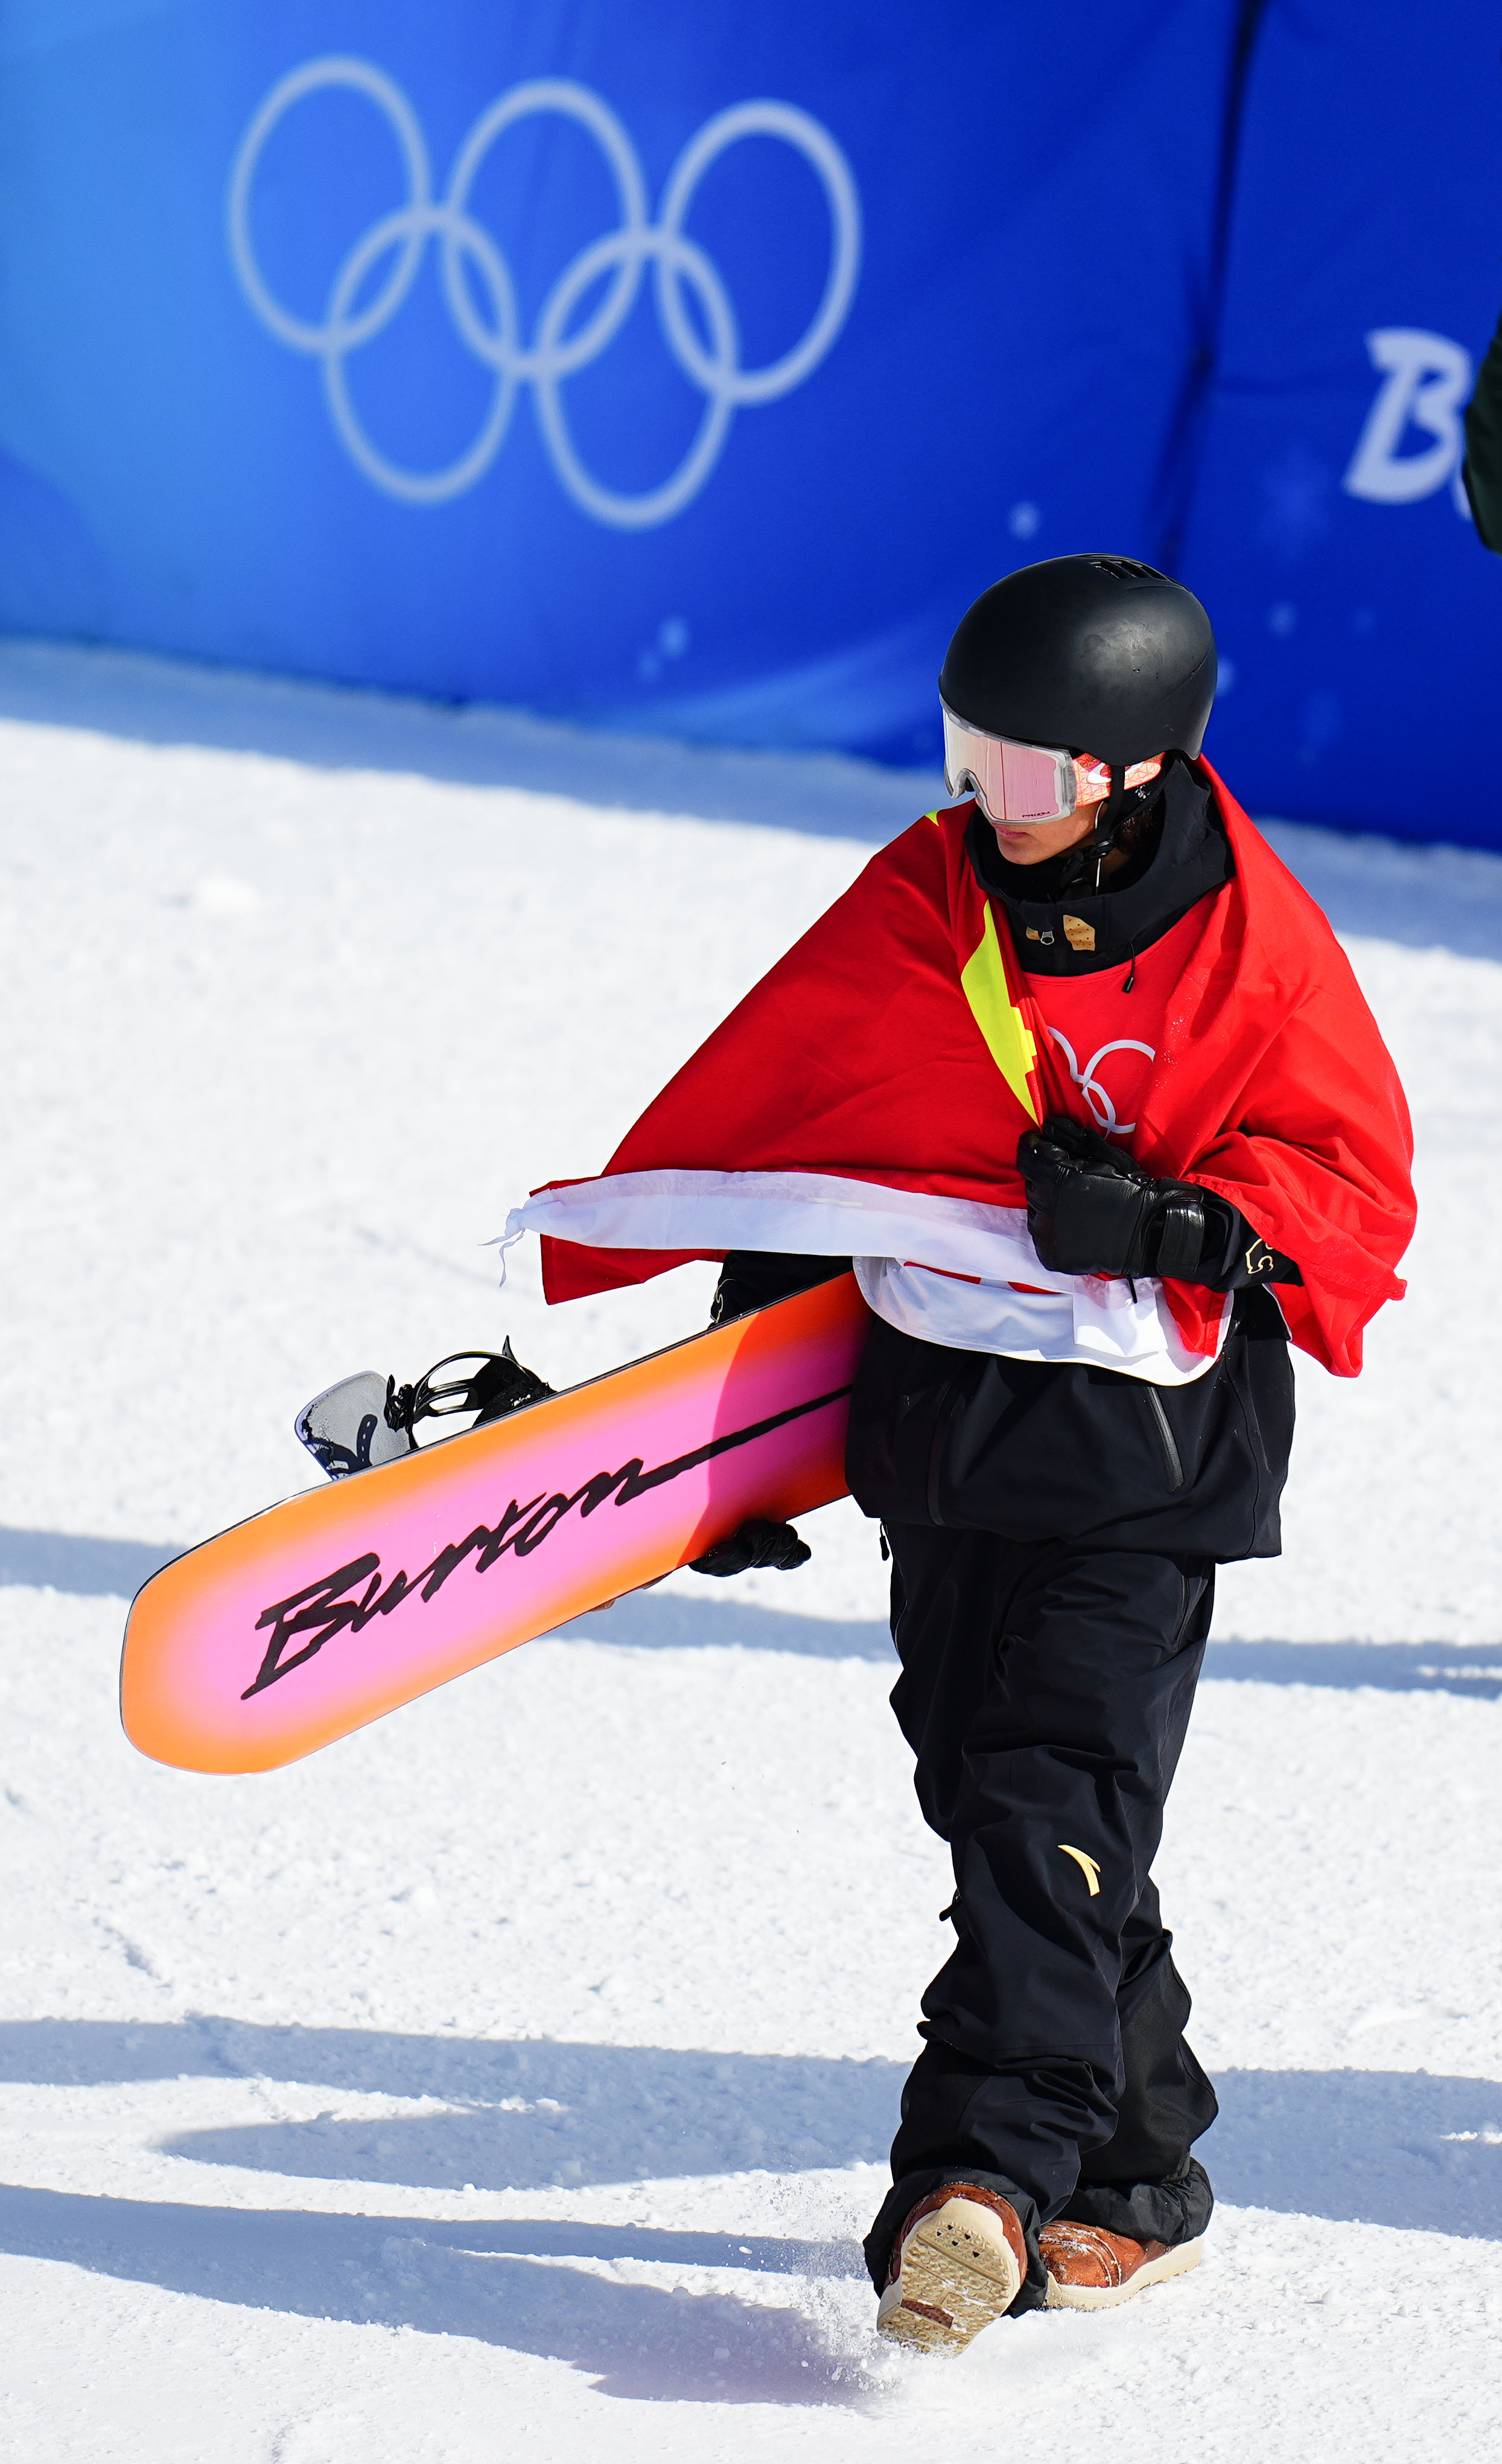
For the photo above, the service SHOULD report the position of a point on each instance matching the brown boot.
(957, 2264)
(1091, 2269)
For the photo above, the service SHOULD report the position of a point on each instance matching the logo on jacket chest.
(1102, 1105)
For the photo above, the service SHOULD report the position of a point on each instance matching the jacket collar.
(1070, 934)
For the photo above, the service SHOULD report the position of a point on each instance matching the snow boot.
(1091, 2269)
(957, 2264)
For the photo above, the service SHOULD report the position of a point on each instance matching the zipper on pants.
(1170, 1452)
(949, 1405)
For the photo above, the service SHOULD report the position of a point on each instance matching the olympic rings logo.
(469, 255)
(1089, 1085)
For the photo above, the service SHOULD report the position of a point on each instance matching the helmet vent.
(1125, 568)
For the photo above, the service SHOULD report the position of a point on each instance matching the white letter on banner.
(1426, 384)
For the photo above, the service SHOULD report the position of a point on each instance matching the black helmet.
(1094, 653)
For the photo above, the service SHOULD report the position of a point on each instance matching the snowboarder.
(1081, 1079)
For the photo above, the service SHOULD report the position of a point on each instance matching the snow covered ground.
(517, 2077)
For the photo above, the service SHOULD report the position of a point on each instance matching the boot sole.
(952, 2284)
(1178, 2261)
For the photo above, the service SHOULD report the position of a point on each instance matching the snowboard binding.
(360, 1422)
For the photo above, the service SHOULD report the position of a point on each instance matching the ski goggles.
(1027, 782)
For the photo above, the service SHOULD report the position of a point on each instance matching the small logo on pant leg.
(1087, 1867)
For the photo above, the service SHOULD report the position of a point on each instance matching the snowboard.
(323, 1613)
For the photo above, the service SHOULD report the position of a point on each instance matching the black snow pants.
(1045, 1691)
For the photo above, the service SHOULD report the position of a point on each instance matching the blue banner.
(683, 366)
(1360, 619)
(688, 368)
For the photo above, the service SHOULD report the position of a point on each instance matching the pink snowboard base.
(320, 1615)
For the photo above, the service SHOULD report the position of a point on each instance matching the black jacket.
(1042, 1450)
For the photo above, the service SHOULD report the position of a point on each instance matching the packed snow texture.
(517, 2075)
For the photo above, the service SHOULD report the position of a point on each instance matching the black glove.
(1093, 1210)
(754, 1543)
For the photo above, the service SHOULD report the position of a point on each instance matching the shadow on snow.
(63, 1561)
(1361, 2146)
(481, 2280)
(520, 2114)
(1380, 2147)
(71, 1561)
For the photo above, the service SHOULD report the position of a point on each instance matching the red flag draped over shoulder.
(867, 1096)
